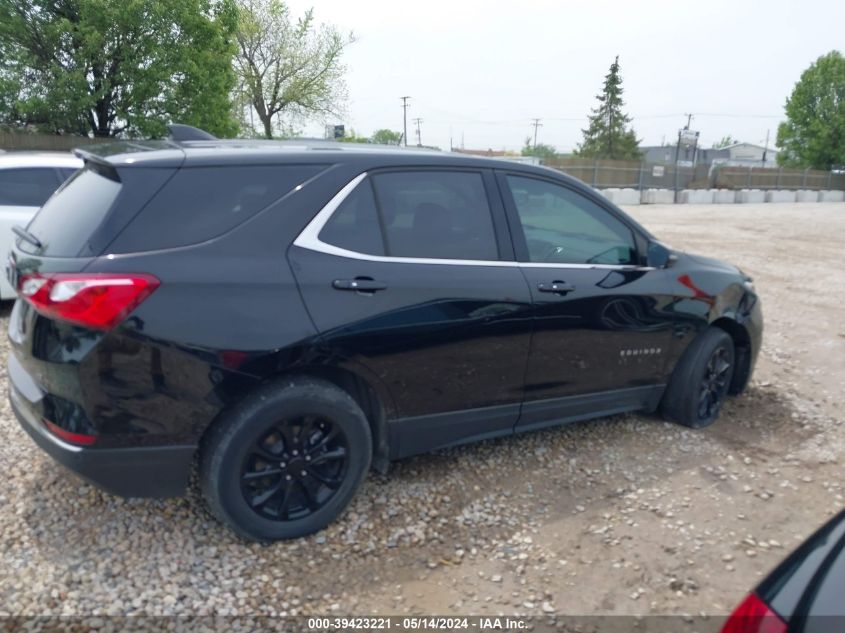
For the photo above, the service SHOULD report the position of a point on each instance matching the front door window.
(563, 227)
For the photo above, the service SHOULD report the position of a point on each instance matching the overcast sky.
(480, 71)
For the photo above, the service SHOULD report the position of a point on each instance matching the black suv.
(295, 314)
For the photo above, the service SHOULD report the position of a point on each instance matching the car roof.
(39, 159)
(220, 152)
(360, 156)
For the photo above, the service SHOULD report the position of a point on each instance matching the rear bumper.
(156, 471)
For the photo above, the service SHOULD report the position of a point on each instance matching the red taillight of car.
(754, 616)
(80, 439)
(96, 300)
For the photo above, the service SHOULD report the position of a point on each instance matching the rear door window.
(200, 203)
(67, 220)
(436, 215)
(27, 187)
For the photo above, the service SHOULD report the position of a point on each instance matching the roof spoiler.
(97, 163)
(180, 132)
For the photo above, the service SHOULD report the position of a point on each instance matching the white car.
(27, 179)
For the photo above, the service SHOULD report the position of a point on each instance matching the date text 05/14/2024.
(418, 623)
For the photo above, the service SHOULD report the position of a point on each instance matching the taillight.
(96, 300)
(82, 439)
(754, 616)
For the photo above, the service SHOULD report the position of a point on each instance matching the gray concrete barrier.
(658, 196)
(622, 196)
(831, 196)
(719, 196)
(697, 196)
(724, 196)
(806, 195)
(751, 195)
(780, 195)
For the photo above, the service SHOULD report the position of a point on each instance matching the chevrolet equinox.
(291, 315)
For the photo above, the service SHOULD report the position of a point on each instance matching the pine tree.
(608, 135)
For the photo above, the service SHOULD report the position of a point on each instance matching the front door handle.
(557, 286)
(359, 284)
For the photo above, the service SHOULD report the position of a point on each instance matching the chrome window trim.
(309, 238)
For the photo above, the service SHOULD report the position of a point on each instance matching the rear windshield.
(70, 216)
(200, 203)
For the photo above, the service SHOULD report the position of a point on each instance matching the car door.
(603, 322)
(22, 192)
(410, 273)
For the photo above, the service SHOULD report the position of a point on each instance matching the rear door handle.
(359, 285)
(558, 287)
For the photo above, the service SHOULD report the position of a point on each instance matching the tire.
(699, 385)
(314, 444)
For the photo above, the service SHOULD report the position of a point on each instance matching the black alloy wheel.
(295, 468)
(714, 384)
(700, 382)
(287, 460)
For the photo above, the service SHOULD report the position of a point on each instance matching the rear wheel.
(699, 385)
(286, 462)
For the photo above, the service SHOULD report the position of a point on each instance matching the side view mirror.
(660, 256)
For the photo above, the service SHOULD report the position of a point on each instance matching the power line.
(518, 122)
(742, 116)
(558, 123)
(405, 119)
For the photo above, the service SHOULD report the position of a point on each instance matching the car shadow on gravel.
(750, 421)
(415, 518)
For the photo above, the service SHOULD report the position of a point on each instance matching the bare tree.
(292, 67)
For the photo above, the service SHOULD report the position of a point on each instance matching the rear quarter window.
(200, 203)
(68, 218)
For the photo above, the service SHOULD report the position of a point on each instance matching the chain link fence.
(27, 141)
(620, 174)
(758, 178)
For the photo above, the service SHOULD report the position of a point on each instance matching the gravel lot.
(625, 515)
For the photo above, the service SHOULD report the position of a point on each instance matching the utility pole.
(677, 158)
(766, 148)
(405, 118)
(678, 146)
(419, 136)
(678, 150)
(536, 124)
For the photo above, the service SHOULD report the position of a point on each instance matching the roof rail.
(180, 132)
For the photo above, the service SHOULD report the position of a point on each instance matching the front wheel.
(286, 462)
(699, 385)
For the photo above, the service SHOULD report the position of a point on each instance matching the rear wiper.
(27, 236)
